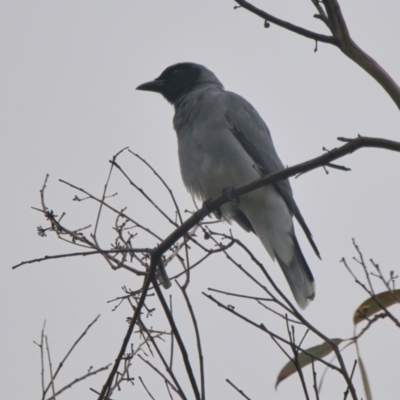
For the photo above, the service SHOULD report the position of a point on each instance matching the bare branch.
(143, 193)
(346, 393)
(170, 371)
(272, 334)
(155, 254)
(163, 182)
(351, 146)
(198, 342)
(179, 341)
(41, 347)
(151, 273)
(145, 387)
(50, 366)
(105, 191)
(68, 353)
(111, 208)
(295, 359)
(287, 25)
(86, 253)
(240, 391)
(81, 378)
(321, 13)
(340, 38)
(162, 375)
(315, 386)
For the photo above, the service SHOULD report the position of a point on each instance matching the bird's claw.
(228, 192)
(206, 209)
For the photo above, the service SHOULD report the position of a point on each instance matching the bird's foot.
(206, 210)
(228, 192)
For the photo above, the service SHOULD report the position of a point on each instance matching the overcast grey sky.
(68, 75)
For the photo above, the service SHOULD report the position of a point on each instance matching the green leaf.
(304, 359)
(369, 307)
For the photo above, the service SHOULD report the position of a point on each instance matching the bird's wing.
(253, 134)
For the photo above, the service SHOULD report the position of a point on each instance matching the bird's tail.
(267, 215)
(299, 276)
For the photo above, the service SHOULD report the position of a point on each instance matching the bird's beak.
(152, 86)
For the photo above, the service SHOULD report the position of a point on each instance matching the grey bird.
(223, 142)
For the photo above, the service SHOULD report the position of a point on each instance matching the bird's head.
(180, 79)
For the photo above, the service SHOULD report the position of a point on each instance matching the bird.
(223, 142)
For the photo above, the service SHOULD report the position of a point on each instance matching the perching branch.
(351, 146)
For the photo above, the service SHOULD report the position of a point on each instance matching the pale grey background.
(68, 72)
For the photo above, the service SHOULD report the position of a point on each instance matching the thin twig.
(372, 295)
(287, 25)
(163, 376)
(346, 393)
(240, 391)
(306, 323)
(198, 342)
(50, 366)
(171, 353)
(145, 387)
(293, 321)
(81, 378)
(321, 12)
(149, 231)
(143, 193)
(95, 391)
(41, 347)
(334, 19)
(170, 371)
(107, 386)
(69, 352)
(179, 340)
(171, 193)
(266, 330)
(104, 192)
(314, 374)
(295, 359)
(168, 390)
(86, 253)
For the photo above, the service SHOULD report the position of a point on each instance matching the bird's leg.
(228, 192)
(206, 209)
